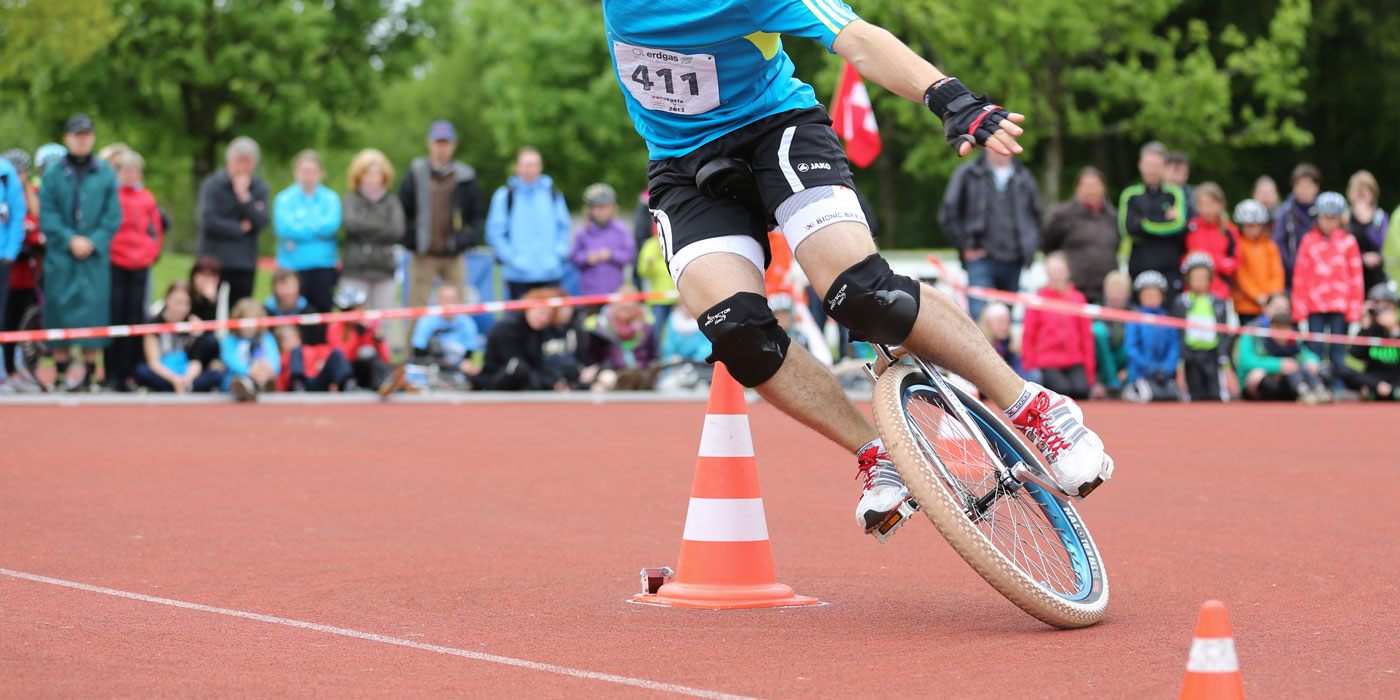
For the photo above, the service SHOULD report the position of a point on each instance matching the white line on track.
(370, 636)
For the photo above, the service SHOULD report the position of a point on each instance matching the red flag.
(854, 119)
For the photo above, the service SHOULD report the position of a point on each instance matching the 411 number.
(642, 77)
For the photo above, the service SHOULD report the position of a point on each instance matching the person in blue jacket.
(307, 218)
(528, 227)
(1153, 351)
(250, 355)
(13, 208)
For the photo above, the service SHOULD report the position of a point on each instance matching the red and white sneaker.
(1056, 425)
(884, 491)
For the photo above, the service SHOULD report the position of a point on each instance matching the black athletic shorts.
(789, 152)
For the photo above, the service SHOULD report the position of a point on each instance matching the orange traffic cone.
(726, 561)
(1213, 670)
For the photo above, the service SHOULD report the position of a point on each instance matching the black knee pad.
(873, 303)
(746, 337)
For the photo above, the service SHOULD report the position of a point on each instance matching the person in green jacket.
(1390, 251)
(79, 213)
(1279, 370)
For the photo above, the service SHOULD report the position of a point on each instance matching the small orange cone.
(1213, 670)
(726, 561)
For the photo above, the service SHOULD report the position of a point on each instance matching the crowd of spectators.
(81, 234)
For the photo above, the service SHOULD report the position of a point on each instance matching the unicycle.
(987, 492)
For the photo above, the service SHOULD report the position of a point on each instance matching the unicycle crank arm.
(1023, 473)
(895, 520)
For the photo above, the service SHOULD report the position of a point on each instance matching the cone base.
(711, 597)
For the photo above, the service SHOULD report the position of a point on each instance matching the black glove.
(966, 117)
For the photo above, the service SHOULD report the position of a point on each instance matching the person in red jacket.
(1211, 232)
(1060, 346)
(135, 248)
(361, 342)
(1327, 280)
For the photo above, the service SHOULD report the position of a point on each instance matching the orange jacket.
(1260, 272)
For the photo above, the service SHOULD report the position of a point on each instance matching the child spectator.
(515, 359)
(620, 343)
(169, 365)
(996, 326)
(307, 218)
(311, 367)
(135, 248)
(1380, 376)
(286, 300)
(1152, 350)
(1203, 351)
(1059, 345)
(1110, 348)
(1295, 217)
(448, 341)
(683, 350)
(249, 355)
(603, 246)
(361, 342)
(655, 276)
(1279, 370)
(1327, 280)
(1210, 232)
(1260, 271)
(561, 342)
(1367, 223)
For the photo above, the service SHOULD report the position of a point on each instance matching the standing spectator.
(1211, 233)
(602, 246)
(233, 211)
(1086, 229)
(1279, 370)
(1266, 193)
(18, 289)
(1390, 252)
(1379, 377)
(307, 218)
(443, 214)
(135, 249)
(996, 326)
(656, 277)
(528, 227)
(515, 359)
(359, 341)
(374, 224)
(250, 356)
(1152, 215)
(1367, 223)
(620, 344)
(1204, 353)
(1177, 171)
(1327, 280)
(991, 214)
(1110, 351)
(14, 209)
(79, 212)
(1259, 275)
(1059, 345)
(168, 360)
(643, 228)
(1152, 350)
(1296, 217)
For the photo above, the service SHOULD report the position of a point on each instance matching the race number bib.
(666, 81)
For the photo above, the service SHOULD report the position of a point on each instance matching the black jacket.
(515, 358)
(1381, 363)
(964, 217)
(221, 216)
(468, 212)
(1159, 241)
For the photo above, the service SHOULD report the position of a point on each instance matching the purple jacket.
(601, 346)
(1291, 223)
(606, 276)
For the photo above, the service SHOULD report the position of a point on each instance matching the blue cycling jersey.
(694, 70)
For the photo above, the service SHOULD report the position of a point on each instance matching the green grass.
(176, 266)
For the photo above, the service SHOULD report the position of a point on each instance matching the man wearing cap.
(233, 211)
(443, 212)
(79, 213)
(528, 227)
(603, 246)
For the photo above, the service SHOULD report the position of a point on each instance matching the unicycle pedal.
(895, 519)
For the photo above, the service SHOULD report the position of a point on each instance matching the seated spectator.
(1379, 377)
(311, 367)
(684, 353)
(1204, 351)
(1110, 344)
(561, 344)
(250, 355)
(619, 343)
(1152, 350)
(448, 341)
(996, 326)
(603, 246)
(1210, 232)
(169, 364)
(1060, 346)
(361, 342)
(286, 300)
(1260, 271)
(515, 359)
(1327, 281)
(1279, 370)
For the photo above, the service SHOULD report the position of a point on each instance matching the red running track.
(517, 530)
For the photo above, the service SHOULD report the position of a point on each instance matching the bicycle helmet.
(1197, 259)
(1249, 211)
(1384, 292)
(599, 194)
(48, 154)
(347, 298)
(1150, 278)
(1331, 204)
(18, 157)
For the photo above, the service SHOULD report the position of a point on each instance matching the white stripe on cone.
(726, 436)
(1212, 656)
(725, 520)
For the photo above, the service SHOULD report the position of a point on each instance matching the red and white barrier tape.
(1109, 313)
(59, 334)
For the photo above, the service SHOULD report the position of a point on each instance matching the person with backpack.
(528, 226)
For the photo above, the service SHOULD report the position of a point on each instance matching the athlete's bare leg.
(803, 388)
(944, 333)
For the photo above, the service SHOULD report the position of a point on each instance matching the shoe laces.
(1047, 438)
(868, 462)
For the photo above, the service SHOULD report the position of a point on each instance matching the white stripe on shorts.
(785, 163)
(745, 246)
